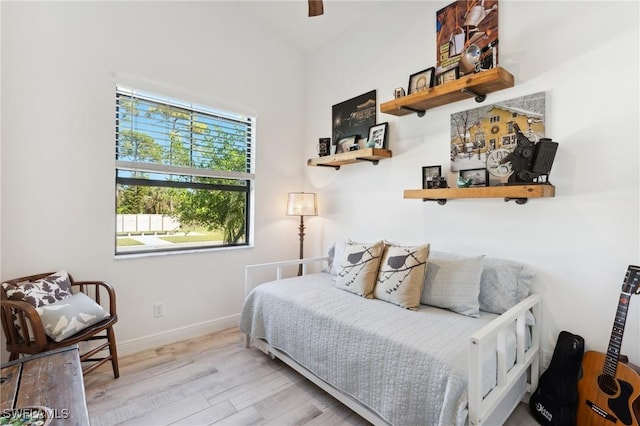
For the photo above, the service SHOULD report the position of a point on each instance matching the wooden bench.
(52, 379)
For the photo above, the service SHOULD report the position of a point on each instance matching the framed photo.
(449, 75)
(462, 24)
(344, 144)
(378, 134)
(430, 176)
(353, 116)
(324, 146)
(421, 80)
(479, 177)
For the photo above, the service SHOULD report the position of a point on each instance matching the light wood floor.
(215, 380)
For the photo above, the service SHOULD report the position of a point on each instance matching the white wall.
(61, 62)
(584, 55)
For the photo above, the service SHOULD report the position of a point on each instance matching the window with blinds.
(184, 174)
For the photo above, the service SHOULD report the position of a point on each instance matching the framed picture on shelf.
(421, 80)
(448, 75)
(324, 147)
(345, 144)
(378, 136)
(353, 116)
(430, 176)
(479, 177)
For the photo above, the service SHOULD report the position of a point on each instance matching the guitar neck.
(615, 342)
(629, 286)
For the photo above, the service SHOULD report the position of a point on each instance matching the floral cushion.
(45, 291)
(401, 275)
(67, 317)
(41, 292)
(359, 268)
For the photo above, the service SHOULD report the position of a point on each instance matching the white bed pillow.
(359, 268)
(336, 253)
(401, 275)
(453, 282)
(504, 283)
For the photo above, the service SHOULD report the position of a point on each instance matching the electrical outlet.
(546, 359)
(158, 310)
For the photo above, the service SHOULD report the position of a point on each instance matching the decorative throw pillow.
(44, 291)
(359, 268)
(453, 282)
(401, 275)
(504, 283)
(69, 316)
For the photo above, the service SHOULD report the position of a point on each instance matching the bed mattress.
(410, 367)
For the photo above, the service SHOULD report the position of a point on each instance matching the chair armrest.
(31, 328)
(95, 289)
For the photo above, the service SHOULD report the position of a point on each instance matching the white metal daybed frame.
(512, 382)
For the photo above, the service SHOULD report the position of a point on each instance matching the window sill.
(123, 256)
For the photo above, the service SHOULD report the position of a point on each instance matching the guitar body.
(604, 400)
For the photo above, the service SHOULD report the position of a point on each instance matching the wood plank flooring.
(215, 380)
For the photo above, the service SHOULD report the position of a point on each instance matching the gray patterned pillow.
(453, 282)
(359, 268)
(401, 275)
(503, 284)
(70, 315)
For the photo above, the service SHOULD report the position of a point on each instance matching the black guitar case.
(555, 401)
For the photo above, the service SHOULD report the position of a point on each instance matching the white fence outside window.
(146, 223)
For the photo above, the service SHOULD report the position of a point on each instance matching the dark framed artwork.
(479, 177)
(422, 80)
(431, 175)
(378, 136)
(345, 144)
(448, 75)
(353, 116)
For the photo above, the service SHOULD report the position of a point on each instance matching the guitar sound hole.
(608, 384)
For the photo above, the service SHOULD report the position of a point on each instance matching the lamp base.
(301, 235)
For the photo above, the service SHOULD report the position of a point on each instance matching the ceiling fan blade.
(315, 7)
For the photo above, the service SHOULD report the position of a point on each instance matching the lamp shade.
(302, 204)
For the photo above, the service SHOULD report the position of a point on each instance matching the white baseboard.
(152, 341)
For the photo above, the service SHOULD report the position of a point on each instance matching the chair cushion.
(71, 315)
(401, 275)
(359, 268)
(44, 291)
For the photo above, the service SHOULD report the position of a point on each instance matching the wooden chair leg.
(113, 351)
(13, 356)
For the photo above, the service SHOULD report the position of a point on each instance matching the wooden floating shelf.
(473, 85)
(372, 155)
(519, 193)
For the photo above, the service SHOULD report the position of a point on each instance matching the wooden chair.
(30, 337)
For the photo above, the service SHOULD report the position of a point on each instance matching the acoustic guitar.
(609, 390)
